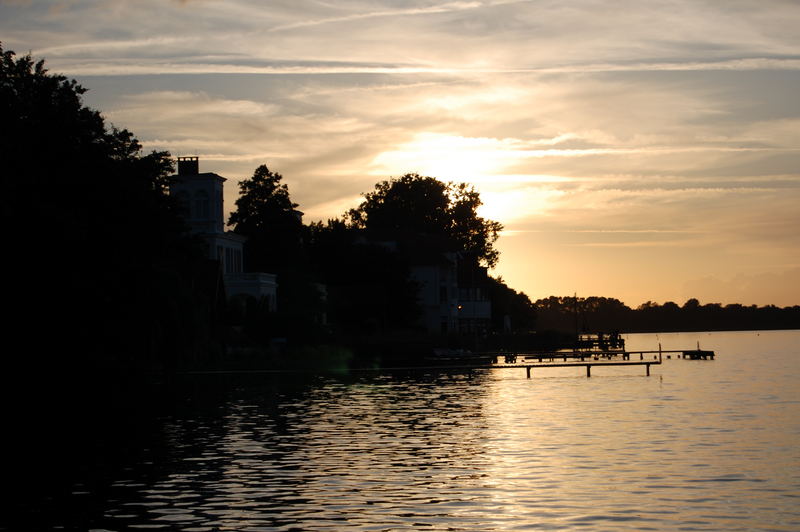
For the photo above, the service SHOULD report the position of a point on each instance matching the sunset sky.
(643, 150)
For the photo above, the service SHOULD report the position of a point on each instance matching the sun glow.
(446, 157)
(480, 161)
(509, 205)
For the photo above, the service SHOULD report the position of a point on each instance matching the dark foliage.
(103, 273)
(102, 283)
(512, 311)
(369, 290)
(266, 215)
(423, 212)
(600, 314)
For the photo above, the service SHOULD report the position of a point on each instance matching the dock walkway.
(490, 360)
(587, 359)
(588, 365)
(513, 357)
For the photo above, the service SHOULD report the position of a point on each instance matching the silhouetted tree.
(102, 262)
(101, 279)
(266, 215)
(608, 315)
(691, 304)
(369, 290)
(510, 308)
(422, 212)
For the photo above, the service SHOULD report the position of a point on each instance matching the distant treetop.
(415, 208)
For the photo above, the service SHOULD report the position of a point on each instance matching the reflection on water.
(387, 451)
(696, 446)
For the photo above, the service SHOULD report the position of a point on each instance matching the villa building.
(201, 195)
(453, 296)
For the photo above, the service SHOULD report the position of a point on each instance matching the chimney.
(188, 165)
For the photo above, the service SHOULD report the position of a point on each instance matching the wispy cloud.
(231, 64)
(415, 11)
(492, 37)
(744, 63)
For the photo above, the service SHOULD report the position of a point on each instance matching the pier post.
(528, 371)
(588, 370)
(648, 369)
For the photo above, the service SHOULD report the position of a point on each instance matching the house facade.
(453, 296)
(201, 197)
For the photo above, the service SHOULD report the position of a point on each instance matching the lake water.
(698, 445)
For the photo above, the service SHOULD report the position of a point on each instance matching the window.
(228, 260)
(201, 204)
(183, 203)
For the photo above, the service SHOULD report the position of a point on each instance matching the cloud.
(482, 37)
(177, 61)
(656, 142)
(357, 16)
(195, 119)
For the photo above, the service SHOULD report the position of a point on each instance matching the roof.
(202, 175)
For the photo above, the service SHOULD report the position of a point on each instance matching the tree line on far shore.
(605, 315)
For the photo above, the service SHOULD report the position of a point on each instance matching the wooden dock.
(552, 356)
(506, 360)
(577, 358)
(529, 367)
(588, 365)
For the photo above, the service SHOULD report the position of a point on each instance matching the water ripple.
(691, 450)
